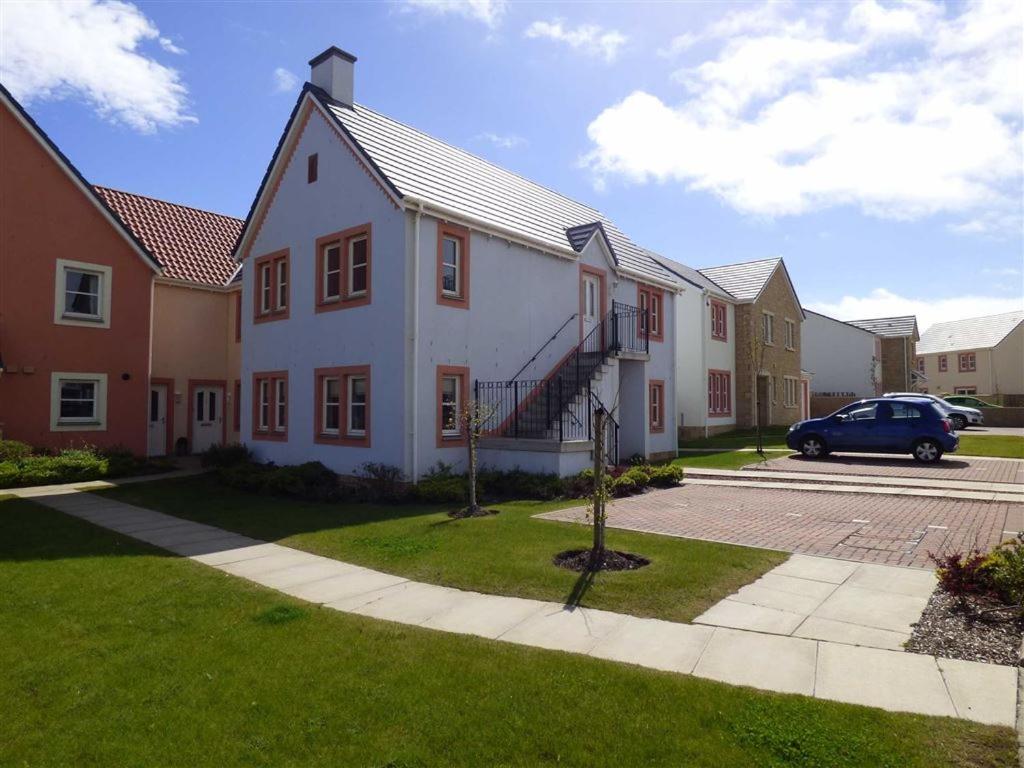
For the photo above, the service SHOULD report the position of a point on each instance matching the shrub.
(518, 484)
(442, 489)
(625, 485)
(963, 574)
(245, 477)
(311, 481)
(666, 476)
(383, 482)
(14, 450)
(1005, 570)
(641, 475)
(225, 455)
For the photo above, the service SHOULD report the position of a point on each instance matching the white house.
(846, 360)
(390, 277)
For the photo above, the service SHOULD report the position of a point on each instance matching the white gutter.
(415, 341)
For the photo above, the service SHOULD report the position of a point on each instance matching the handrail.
(561, 328)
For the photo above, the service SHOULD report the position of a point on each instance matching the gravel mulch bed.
(951, 627)
(613, 560)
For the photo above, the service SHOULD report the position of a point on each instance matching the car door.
(904, 427)
(858, 432)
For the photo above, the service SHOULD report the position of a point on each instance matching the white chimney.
(334, 71)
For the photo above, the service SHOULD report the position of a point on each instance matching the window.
(78, 401)
(719, 321)
(312, 167)
(862, 412)
(270, 405)
(452, 384)
(651, 303)
(768, 328)
(453, 266)
(965, 390)
(790, 334)
(272, 286)
(790, 388)
(656, 403)
(967, 362)
(343, 276)
(343, 406)
(82, 294)
(943, 363)
(905, 411)
(920, 365)
(719, 393)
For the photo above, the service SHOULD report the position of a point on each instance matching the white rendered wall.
(838, 355)
(693, 318)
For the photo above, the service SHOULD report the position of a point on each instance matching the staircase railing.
(559, 405)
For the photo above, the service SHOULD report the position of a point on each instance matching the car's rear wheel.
(813, 447)
(927, 451)
(958, 421)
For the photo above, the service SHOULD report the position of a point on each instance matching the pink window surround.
(268, 274)
(719, 321)
(719, 393)
(943, 363)
(274, 429)
(967, 362)
(460, 299)
(349, 294)
(656, 405)
(653, 300)
(344, 375)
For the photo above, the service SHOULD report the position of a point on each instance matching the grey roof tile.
(421, 166)
(690, 275)
(744, 281)
(904, 325)
(972, 333)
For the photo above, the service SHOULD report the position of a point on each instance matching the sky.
(876, 147)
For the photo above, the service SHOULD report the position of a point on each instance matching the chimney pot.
(334, 71)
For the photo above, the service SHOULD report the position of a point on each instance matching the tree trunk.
(598, 549)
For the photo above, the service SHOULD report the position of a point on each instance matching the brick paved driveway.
(950, 468)
(892, 530)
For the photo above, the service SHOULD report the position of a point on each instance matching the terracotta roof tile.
(190, 244)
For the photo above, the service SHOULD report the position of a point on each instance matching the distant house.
(391, 279)
(113, 307)
(980, 355)
(898, 334)
(846, 360)
(768, 320)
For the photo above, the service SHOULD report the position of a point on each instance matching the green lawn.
(772, 437)
(506, 554)
(115, 655)
(721, 459)
(1005, 446)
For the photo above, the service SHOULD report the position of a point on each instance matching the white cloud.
(588, 38)
(904, 112)
(285, 80)
(502, 140)
(1001, 271)
(679, 44)
(487, 11)
(884, 303)
(168, 45)
(90, 50)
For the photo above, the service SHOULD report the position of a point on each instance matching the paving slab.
(231, 542)
(239, 554)
(756, 618)
(766, 597)
(257, 566)
(410, 602)
(816, 569)
(899, 682)
(656, 644)
(985, 693)
(344, 593)
(807, 587)
(565, 628)
(485, 615)
(169, 537)
(872, 608)
(817, 628)
(770, 662)
(900, 581)
(315, 569)
(136, 525)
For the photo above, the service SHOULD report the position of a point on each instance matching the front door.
(590, 302)
(207, 417)
(157, 420)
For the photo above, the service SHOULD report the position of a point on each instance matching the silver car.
(959, 416)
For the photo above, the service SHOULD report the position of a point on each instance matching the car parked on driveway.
(913, 425)
(968, 401)
(958, 415)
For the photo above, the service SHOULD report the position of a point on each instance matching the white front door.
(590, 286)
(157, 419)
(207, 417)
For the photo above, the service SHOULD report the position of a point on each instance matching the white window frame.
(790, 334)
(62, 317)
(266, 287)
(264, 405)
(790, 391)
(99, 421)
(655, 414)
(455, 431)
(655, 313)
(768, 328)
(328, 271)
(280, 405)
(351, 267)
(350, 382)
(457, 264)
(281, 273)
(324, 405)
(960, 391)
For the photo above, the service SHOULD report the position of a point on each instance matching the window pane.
(154, 405)
(213, 405)
(449, 279)
(450, 265)
(332, 272)
(359, 265)
(332, 408)
(449, 404)
(201, 406)
(82, 292)
(357, 404)
(77, 400)
(282, 284)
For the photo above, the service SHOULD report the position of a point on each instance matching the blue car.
(913, 425)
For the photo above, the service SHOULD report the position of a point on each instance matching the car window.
(863, 413)
(905, 411)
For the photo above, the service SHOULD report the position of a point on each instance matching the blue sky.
(876, 147)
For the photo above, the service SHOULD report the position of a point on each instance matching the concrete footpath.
(825, 669)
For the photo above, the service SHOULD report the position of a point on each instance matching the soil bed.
(465, 512)
(952, 627)
(580, 560)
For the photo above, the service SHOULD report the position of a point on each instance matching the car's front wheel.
(958, 421)
(927, 451)
(813, 447)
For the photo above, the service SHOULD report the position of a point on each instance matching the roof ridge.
(741, 263)
(475, 156)
(168, 202)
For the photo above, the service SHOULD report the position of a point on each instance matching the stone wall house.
(976, 356)
(899, 335)
(768, 322)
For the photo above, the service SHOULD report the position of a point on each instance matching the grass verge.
(508, 554)
(771, 437)
(114, 654)
(721, 459)
(1000, 446)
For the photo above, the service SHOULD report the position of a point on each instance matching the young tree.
(600, 492)
(756, 348)
(473, 417)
